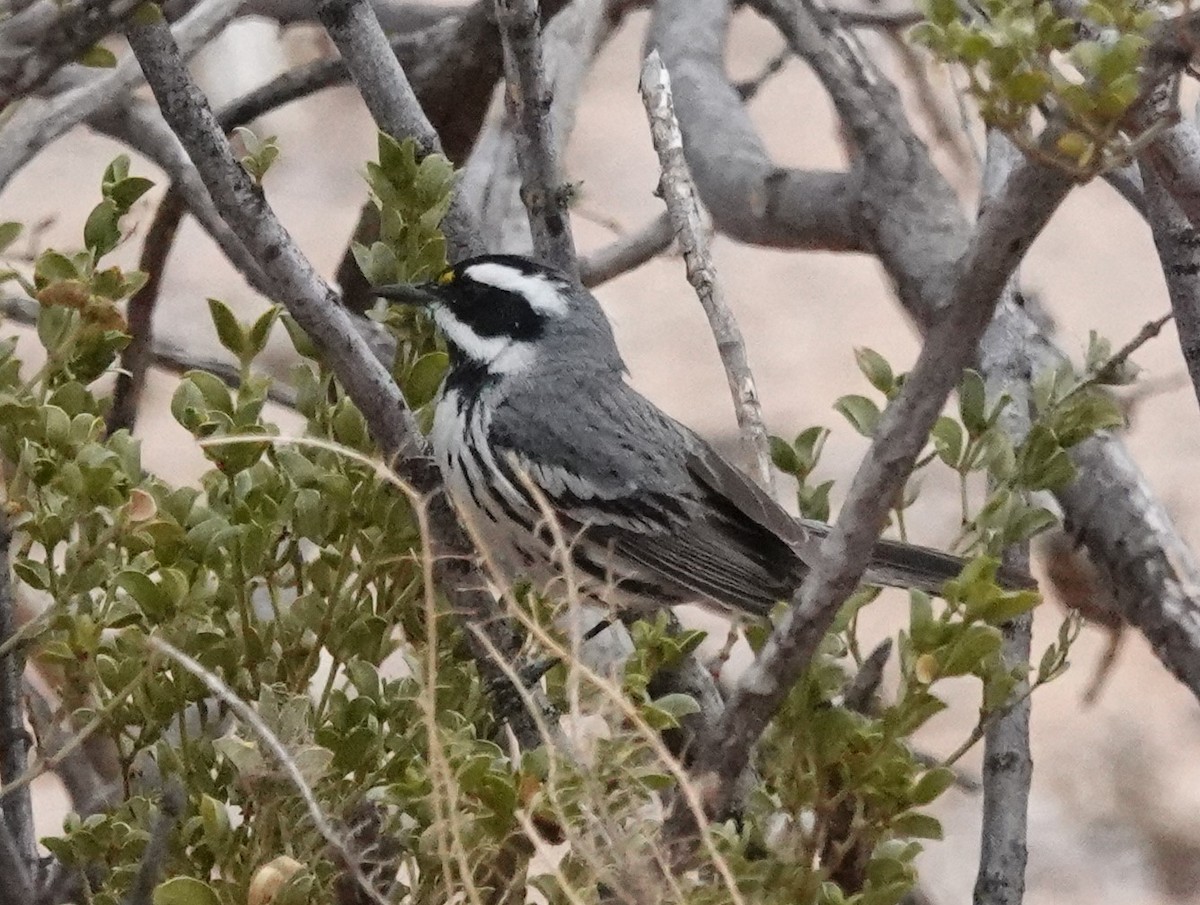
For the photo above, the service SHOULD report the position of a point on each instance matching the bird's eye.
(446, 278)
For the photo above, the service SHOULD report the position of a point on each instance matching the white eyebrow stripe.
(543, 295)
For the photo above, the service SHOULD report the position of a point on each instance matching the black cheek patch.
(489, 311)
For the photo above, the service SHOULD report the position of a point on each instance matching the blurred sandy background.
(1115, 814)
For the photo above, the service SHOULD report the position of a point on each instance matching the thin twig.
(282, 757)
(528, 103)
(679, 193)
(751, 86)
(154, 858)
(862, 687)
(1111, 369)
(14, 739)
(892, 22)
(138, 355)
(627, 253)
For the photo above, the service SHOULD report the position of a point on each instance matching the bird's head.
(505, 315)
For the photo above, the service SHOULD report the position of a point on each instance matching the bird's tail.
(901, 565)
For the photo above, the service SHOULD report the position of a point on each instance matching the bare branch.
(14, 739)
(35, 125)
(1178, 244)
(627, 253)
(389, 96)
(154, 858)
(1112, 368)
(752, 199)
(1005, 231)
(877, 18)
(1007, 763)
(315, 307)
(493, 178)
(138, 355)
(527, 101)
(16, 887)
(84, 783)
(679, 194)
(74, 29)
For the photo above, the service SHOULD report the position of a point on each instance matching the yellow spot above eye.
(446, 278)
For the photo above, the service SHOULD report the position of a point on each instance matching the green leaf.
(971, 403)
(115, 172)
(808, 446)
(931, 785)
(102, 231)
(1042, 463)
(970, 651)
(876, 369)
(425, 378)
(9, 231)
(129, 190)
(229, 331)
(98, 57)
(304, 346)
(185, 891)
(154, 602)
(915, 826)
(34, 574)
(1007, 607)
(677, 705)
(784, 456)
(51, 266)
(947, 437)
(260, 331)
(861, 412)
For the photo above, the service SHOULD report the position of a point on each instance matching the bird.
(563, 471)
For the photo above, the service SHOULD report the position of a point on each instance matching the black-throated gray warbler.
(535, 415)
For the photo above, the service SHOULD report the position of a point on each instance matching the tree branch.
(677, 191)
(527, 101)
(1007, 763)
(35, 125)
(154, 858)
(628, 252)
(137, 357)
(1178, 244)
(314, 305)
(493, 177)
(75, 29)
(388, 95)
(16, 888)
(1005, 231)
(14, 740)
(751, 198)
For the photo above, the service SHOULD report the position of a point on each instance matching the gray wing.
(617, 469)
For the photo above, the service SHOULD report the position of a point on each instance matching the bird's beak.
(407, 293)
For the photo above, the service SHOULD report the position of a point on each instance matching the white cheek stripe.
(543, 295)
(501, 354)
